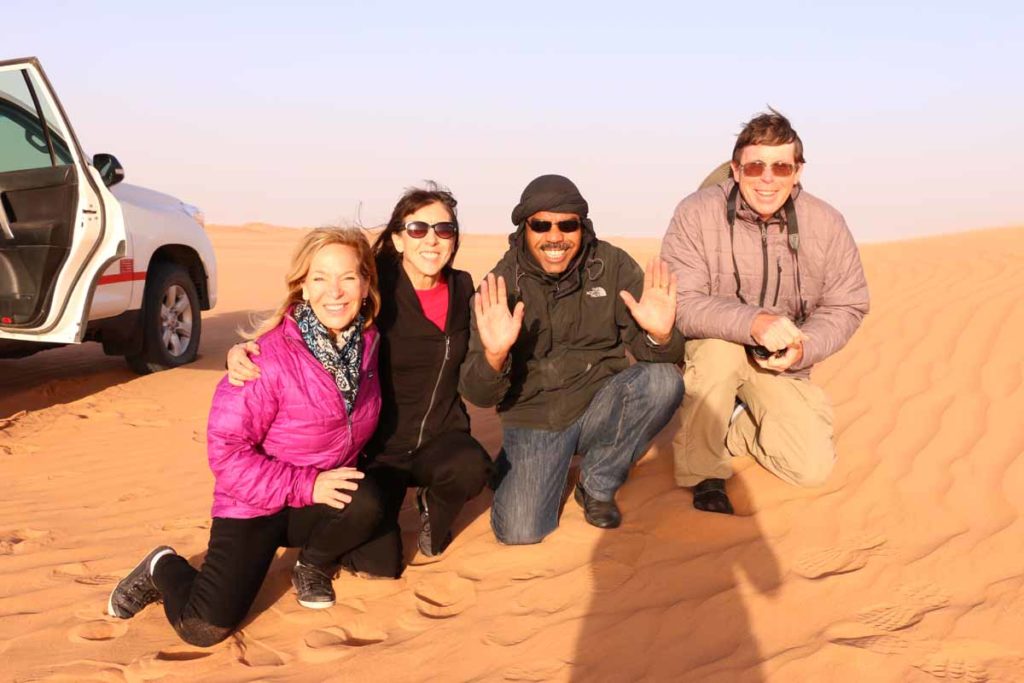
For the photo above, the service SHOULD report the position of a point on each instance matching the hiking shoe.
(425, 541)
(136, 590)
(313, 586)
(600, 513)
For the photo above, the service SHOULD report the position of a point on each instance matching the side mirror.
(109, 167)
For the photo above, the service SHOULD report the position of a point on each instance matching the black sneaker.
(425, 541)
(136, 590)
(313, 586)
(600, 513)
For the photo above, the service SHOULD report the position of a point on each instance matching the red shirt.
(434, 302)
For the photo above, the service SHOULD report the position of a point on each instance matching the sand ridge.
(905, 566)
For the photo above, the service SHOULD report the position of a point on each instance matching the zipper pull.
(764, 234)
(447, 346)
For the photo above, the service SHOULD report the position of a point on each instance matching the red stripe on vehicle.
(122, 277)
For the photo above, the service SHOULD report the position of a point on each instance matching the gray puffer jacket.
(833, 288)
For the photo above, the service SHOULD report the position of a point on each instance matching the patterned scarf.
(343, 359)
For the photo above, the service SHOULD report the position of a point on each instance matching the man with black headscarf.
(550, 329)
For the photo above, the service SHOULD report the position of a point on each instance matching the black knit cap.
(550, 193)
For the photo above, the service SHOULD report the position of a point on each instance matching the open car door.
(59, 225)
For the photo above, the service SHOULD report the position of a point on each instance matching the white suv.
(83, 258)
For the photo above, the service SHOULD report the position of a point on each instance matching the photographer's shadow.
(671, 586)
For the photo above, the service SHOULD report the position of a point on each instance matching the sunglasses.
(755, 169)
(571, 225)
(418, 229)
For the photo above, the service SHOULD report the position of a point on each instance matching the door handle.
(5, 225)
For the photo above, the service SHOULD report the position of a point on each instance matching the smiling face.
(767, 193)
(424, 257)
(554, 249)
(334, 286)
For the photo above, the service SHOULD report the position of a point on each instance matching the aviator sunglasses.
(418, 229)
(755, 169)
(571, 225)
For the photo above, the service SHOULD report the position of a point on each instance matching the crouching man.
(770, 283)
(550, 328)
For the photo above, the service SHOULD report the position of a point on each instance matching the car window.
(23, 145)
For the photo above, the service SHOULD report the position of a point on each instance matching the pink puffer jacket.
(268, 440)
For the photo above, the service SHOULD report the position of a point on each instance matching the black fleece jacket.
(419, 364)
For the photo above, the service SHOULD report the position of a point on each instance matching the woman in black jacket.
(423, 438)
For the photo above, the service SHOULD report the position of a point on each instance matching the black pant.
(453, 467)
(206, 606)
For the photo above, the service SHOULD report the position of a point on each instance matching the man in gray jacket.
(770, 283)
(550, 328)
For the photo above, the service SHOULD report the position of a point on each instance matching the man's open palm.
(656, 310)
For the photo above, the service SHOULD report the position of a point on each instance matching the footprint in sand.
(818, 563)
(957, 669)
(864, 638)
(97, 631)
(513, 631)
(572, 590)
(251, 652)
(186, 524)
(918, 600)
(23, 540)
(85, 671)
(333, 643)
(79, 572)
(444, 595)
(540, 671)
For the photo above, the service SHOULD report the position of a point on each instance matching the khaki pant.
(787, 425)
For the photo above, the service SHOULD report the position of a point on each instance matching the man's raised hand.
(655, 313)
(498, 327)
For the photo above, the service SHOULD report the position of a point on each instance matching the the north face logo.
(596, 292)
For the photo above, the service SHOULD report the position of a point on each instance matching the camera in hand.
(762, 352)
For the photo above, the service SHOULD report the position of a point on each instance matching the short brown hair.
(768, 129)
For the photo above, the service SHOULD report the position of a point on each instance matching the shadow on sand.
(670, 587)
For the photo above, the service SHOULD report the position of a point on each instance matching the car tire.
(171, 323)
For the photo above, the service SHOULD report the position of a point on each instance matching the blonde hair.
(313, 242)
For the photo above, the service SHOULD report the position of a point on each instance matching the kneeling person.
(770, 283)
(283, 452)
(550, 329)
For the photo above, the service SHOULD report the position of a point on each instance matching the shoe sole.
(316, 605)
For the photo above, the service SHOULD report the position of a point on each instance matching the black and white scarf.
(343, 359)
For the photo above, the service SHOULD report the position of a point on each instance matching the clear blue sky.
(307, 113)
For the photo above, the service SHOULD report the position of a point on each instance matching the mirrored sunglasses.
(418, 229)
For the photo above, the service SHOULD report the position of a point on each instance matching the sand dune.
(906, 566)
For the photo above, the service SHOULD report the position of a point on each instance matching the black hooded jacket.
(419, 364)
(574, 336)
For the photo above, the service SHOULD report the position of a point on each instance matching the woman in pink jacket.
(283, 452)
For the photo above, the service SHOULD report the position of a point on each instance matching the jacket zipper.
(433, 394)
(778, 282)
(764, 266)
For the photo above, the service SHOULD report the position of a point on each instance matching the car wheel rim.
(175, 320)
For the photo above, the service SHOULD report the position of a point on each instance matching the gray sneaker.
(313, 586)
(136, 590)
(425, 541)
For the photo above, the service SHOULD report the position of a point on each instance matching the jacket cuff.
(302, 489)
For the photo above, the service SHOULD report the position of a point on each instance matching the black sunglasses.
(418, 229)
(571, 225)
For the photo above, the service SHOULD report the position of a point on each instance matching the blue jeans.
(610, 435)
